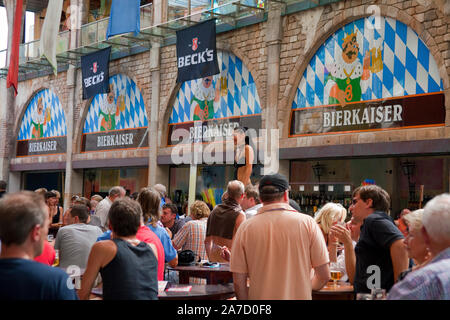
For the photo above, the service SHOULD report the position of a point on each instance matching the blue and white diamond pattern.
(134, 116)
(408, 66)
(57, 125)
(241, 99)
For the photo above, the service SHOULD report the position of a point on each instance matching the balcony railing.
(230, 14)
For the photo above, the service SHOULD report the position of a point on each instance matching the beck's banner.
(95, 73)
(196, 51)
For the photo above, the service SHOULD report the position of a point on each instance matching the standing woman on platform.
(244, 155)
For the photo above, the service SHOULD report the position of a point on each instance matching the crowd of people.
(274, 251)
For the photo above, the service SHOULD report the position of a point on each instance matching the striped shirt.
(431, 282)
(192, 237)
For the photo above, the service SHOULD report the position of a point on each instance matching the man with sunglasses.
(380, 253)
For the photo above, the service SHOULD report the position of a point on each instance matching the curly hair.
(199, 210)
(329, 214)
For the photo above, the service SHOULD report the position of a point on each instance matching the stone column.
(74, 179)
(273, 40)
(156, 174)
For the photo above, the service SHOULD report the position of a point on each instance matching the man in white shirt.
(103, 206)
(251, 203)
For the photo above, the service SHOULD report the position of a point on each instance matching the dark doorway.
(48, 180)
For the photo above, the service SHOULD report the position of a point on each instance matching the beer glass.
(56, 263)
(336, 274)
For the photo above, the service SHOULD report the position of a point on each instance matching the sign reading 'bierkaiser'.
(196, 51)
(95, 73)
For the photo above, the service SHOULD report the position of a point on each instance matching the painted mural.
(43, 129)
(368, 78)
(220, 102)
(118, 119)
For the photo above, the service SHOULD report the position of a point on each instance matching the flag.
(13, 71)
(50, 29)
(196, 51)
(124, 17)
(95, 73)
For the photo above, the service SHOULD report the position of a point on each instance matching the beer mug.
(121, 103)
(48, 114)
(223, 85)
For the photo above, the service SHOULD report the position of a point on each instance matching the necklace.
(348, 75)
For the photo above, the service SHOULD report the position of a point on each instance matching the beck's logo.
(194, 44)
(94, 67)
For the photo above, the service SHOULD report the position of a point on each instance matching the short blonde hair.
(199, 210)
(329, 214)
(97, 197)
(414, 219)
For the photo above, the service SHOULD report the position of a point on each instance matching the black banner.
(45, 146)
(208, 131)
(115, 140)
(196, 51)
(409, 111)
(95, 73)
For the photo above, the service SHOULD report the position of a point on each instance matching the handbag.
(187, 258)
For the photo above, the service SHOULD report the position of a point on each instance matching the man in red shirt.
(48, 254)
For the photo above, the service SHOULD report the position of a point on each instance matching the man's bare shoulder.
(104, 245)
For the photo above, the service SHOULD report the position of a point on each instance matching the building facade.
(347, 93)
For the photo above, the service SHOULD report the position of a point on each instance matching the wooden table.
(343, 291)
(200, 292)
(197, 292)
(220, 275)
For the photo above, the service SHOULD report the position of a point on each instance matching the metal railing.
(91, 34)
(181, 13)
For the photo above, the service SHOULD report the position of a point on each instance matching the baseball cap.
(276, 180)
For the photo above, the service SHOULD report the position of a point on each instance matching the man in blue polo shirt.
(380, 253)
(24, 223)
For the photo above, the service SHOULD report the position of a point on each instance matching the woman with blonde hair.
(330, 214)
(58, 211)
(192, 235)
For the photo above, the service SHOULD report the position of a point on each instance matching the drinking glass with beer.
(56, 263)
(336, 274)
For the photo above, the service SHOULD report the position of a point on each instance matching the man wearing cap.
(277, 249)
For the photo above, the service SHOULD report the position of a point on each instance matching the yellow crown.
(347, 37)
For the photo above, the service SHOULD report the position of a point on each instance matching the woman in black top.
(244, 155)
(58, 211)
(127, 265)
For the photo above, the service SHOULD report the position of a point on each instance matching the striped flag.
(50, 29)
(13, 71)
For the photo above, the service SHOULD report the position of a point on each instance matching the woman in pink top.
(148, 236)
